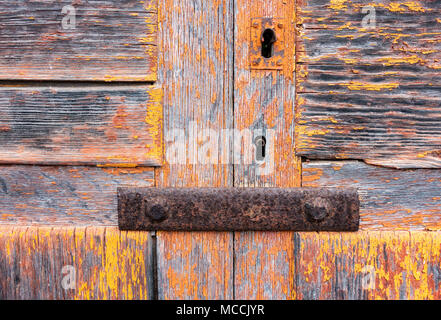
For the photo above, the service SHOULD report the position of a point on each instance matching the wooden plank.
(195, 265)
(196, 71)
(390, 199)
(426, 270)
(263, 102)
(108, 41)
(58, 124)
(9, 263)
(80, 196)
(75, 263)
(110, 264)
(389, 13)
(264, 265)
(347, 74)
(354, 266)
(263, 105)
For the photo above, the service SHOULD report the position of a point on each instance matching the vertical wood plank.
(264, 104)
(195, 265)
(9, 263)
(264, 99)
(196, 71)
(264, 265)
(118, 265)
(425, 269)
(362, 265)
(75, 263)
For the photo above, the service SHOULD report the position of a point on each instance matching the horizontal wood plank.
(108, 41)
(390, 199)
(74, 263)
(59, 124)
(64, 195)
(389, 13)
(371, 94)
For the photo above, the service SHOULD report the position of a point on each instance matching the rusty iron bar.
(238, 209)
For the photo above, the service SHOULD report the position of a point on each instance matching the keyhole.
(268, 38)
(260, 143)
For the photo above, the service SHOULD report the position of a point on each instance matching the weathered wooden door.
(96, 95)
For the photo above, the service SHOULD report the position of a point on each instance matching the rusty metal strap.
(238, 209)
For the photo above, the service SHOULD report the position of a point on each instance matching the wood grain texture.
(264, 265)
(107, 263)
(58, 124)
(390, 199)
(389, 13)
(264, 100)
(369, 93)
(426, 269)
(110, 264)
(196, 72)
(111, 40)
(354, 266)
(195, 265)
(65, 195)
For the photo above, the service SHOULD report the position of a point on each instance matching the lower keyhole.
(268, 38)
(260, 143)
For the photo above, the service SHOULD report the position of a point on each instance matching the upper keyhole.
(268, 38)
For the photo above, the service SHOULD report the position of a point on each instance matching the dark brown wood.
(371, 94)
(238, 209)
(390, 199)
(66, 124)
(79, 196)
(111, 40)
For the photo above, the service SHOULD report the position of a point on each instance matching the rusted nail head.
(280, 25)
(156, 213)
(255, 24)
